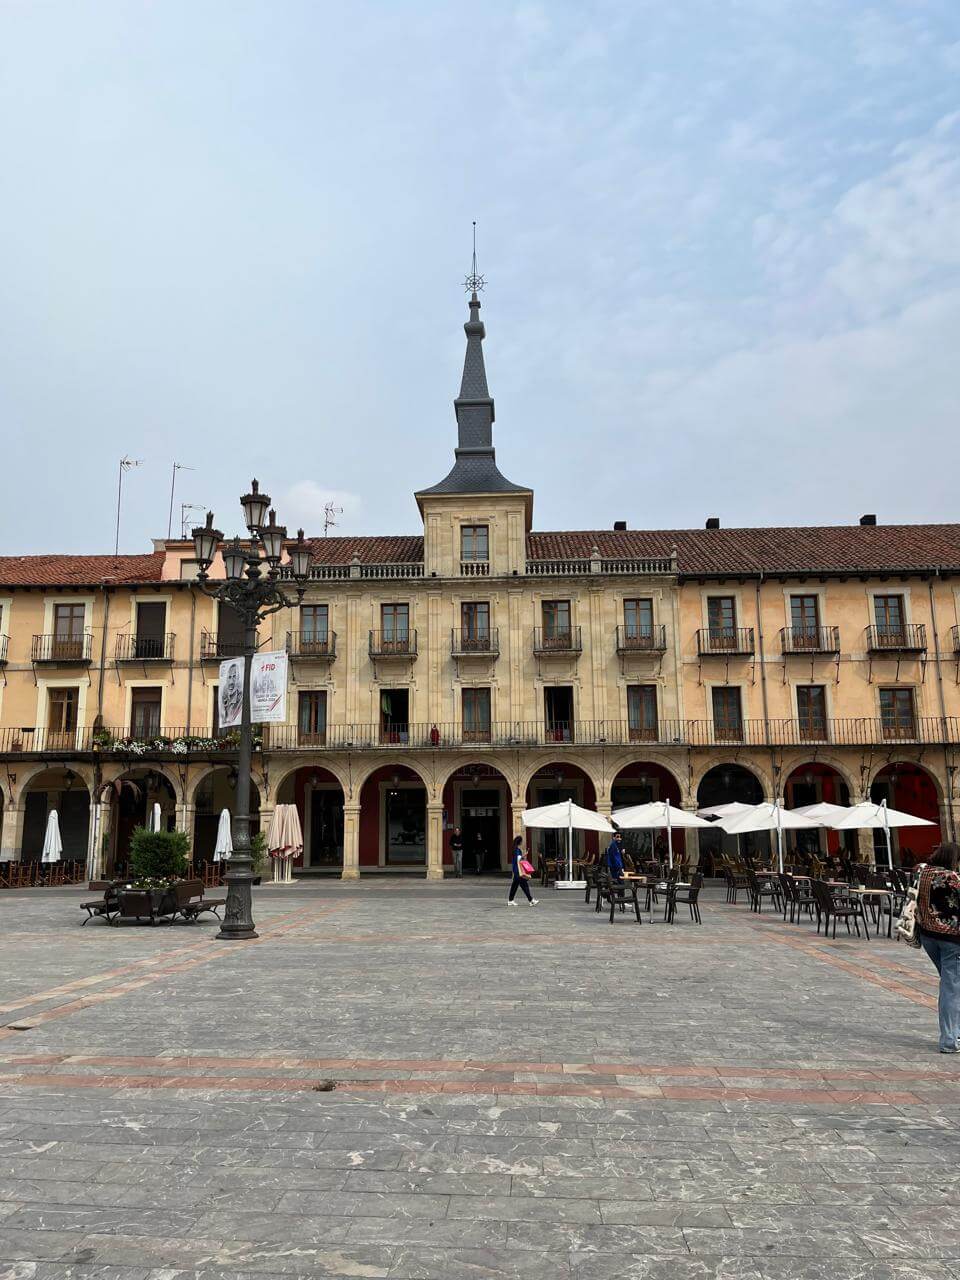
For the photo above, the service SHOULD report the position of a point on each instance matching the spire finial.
(474, 281)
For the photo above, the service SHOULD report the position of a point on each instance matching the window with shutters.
(722, 622)
(642, 712)
(145, 707)
(812, 712)
(898, 715)
(312, 717)
(476, 715)
(727, 713)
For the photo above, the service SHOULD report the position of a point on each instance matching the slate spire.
(475, 468)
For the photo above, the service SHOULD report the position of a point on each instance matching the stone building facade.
(454, 678)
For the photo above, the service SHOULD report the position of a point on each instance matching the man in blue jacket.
(614, 856)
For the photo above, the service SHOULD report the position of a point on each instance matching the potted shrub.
(157, 858)
(258, 851)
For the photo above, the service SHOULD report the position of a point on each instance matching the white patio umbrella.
(224, 846)
(284, 841)
(823, 811)
(730, 810)
(153, 821)
(655, 816)
(52, 844)
(769, 817)
(565, 816)
(877, 817)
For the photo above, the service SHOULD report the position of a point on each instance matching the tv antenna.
(185, 521)
(330, 513)
(126, 464)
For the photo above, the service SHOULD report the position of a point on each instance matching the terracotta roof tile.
(402, 549)
(828, 549)
(56, 571)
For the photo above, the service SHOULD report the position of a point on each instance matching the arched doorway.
(393, 820)
(910, 788)
(724, 784)
(319, 799)
(549, 785)
(476, 798)
(215, 792)
(65, 791)
(640, 783)
(132, 798)
(810, 784)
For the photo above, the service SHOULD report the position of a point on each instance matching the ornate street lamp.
(251, 587)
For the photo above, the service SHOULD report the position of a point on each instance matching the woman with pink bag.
(522, 871)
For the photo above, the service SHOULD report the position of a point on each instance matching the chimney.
(871, 520)
(713, 522)
(619, 526)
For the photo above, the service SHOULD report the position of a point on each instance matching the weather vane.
(474, 281)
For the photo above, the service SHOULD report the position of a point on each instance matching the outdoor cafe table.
(877, 895)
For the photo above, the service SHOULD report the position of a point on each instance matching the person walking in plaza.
(614, 856)
(522, 870)
(456, 849)
(938, 920)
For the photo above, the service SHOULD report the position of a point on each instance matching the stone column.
(688, 801)
(351, 842)
(434, 841)
(11, 833)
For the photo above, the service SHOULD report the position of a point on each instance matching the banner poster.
(230, 693)
(268, 688)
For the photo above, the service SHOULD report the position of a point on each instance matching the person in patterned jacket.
(938, 921)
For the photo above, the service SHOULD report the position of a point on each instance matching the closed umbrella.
(153, 823)
(52, 844)
(565, 816)
(769, 817)
(877, 817)
(658, 815)
(284, 841)
(224, 846)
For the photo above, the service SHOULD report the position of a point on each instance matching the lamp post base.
(238, 923)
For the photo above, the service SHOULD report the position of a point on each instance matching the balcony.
(385, 644)
(145, 648)
(213, 648)
(911, 637)
(65, 650)
(4, 644)
(651, 639)
(725, 642)
(549, 641)
(309, 645)
(484, 643)
(474, 568)
(808, 640)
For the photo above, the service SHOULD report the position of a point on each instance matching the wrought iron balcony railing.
(633, 639)
(725, 641)
(132, 648)
(54, 648)
(213, 648)
(308, 644)
(200, 743)
(911, 637)
(392, 644)
(810, 640)
(553, 640)
(483, 641)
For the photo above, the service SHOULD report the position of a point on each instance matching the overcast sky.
(721, 241)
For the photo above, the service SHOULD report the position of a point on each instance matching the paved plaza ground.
(519, 1093)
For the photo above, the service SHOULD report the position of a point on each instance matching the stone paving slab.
(517, 1094)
